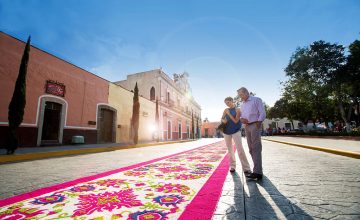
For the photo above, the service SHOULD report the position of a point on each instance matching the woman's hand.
(227, 111)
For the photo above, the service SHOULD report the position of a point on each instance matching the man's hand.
(258, 124)
(244, 120)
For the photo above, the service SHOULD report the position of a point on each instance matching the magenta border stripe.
(49, 189)
(204, 204)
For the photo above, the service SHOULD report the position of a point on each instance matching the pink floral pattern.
(158, 190)
(172, 169)
(105, 201)
(110, 182)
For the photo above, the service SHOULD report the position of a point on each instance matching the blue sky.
(223, 45)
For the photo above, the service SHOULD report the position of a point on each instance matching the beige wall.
(122, 100)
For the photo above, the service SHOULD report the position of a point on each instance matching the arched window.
(168, 97)
(152, 93)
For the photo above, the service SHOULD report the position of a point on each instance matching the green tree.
(18, 102)
(135, 114)
(296, 100)
(352, 77)
(279, 110)
(313, 72)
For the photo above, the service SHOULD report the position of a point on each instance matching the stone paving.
(298, 184)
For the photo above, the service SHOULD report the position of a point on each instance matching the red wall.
(83, 89)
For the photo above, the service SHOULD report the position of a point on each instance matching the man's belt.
(251, 123)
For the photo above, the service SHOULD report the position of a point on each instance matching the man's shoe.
(232, 170)
(247, 173)
(255, 176)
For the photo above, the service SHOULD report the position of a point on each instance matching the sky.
(223, 45)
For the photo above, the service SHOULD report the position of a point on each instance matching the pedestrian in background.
(252, 116)
(232, 131)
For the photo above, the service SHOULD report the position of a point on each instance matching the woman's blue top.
(231, 127)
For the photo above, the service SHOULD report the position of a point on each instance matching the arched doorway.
(106, 124)
(179, 134)
(51, 124)
(169, 130)
(52, 116)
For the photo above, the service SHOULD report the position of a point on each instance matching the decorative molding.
(55, 88)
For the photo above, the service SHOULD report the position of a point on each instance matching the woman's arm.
(237, 117)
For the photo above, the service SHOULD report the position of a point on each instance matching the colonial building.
(209, 129)
(176, 103)
(63, 100)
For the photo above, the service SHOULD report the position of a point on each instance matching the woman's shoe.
(247, 173)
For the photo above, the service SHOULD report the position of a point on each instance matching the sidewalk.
(33, 153)
(297, 184)
(344, 147)
(350, 148)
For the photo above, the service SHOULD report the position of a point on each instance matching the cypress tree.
(157, 120)
(135, 114)
(18, 102)
(192, 125)
(197, 128)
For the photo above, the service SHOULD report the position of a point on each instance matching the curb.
(327, 150)
(44, 155)
(351, 138)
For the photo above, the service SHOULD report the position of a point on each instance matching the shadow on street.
(261, 200)
(264, 201)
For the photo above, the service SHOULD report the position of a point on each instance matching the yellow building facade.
(122, 101)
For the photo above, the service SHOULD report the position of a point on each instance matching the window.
(152, 93)
(287, 125)
(168, 97)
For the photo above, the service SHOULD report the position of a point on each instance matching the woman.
(232, 131)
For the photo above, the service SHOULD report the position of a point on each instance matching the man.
(252, 116)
